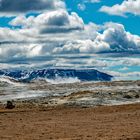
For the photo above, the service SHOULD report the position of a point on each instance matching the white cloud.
(125, 76)
(127, 6)
(14, 7)
(60, 32)
(131, 62)
(16, 51)
(119, 39)
(31, 42)
(85, 46)
(51, 22)
(114, 39)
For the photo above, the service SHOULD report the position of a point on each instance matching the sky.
(100, 34)
(91, 14)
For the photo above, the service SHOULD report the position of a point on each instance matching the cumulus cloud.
(30, 41)
(12, 7)
(60, 32)
(16, 51)
(113, 39)
(51, 22)
(127, 6)
(118, 39)
(85, 46)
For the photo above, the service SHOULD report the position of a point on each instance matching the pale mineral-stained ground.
(72, 94)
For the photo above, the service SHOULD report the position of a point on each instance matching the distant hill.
(81, 74)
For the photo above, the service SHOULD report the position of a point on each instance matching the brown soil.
(65, 123)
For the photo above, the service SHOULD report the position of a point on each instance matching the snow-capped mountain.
(81, 74)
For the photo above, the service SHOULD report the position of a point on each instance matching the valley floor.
(71, 123)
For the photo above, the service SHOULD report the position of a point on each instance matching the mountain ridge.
(81, 74)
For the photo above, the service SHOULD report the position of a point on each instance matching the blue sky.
(101, 34)
(92, 14)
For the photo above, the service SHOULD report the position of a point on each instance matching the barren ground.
(71, 123)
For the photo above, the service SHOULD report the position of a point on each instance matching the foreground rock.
(10, 105)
